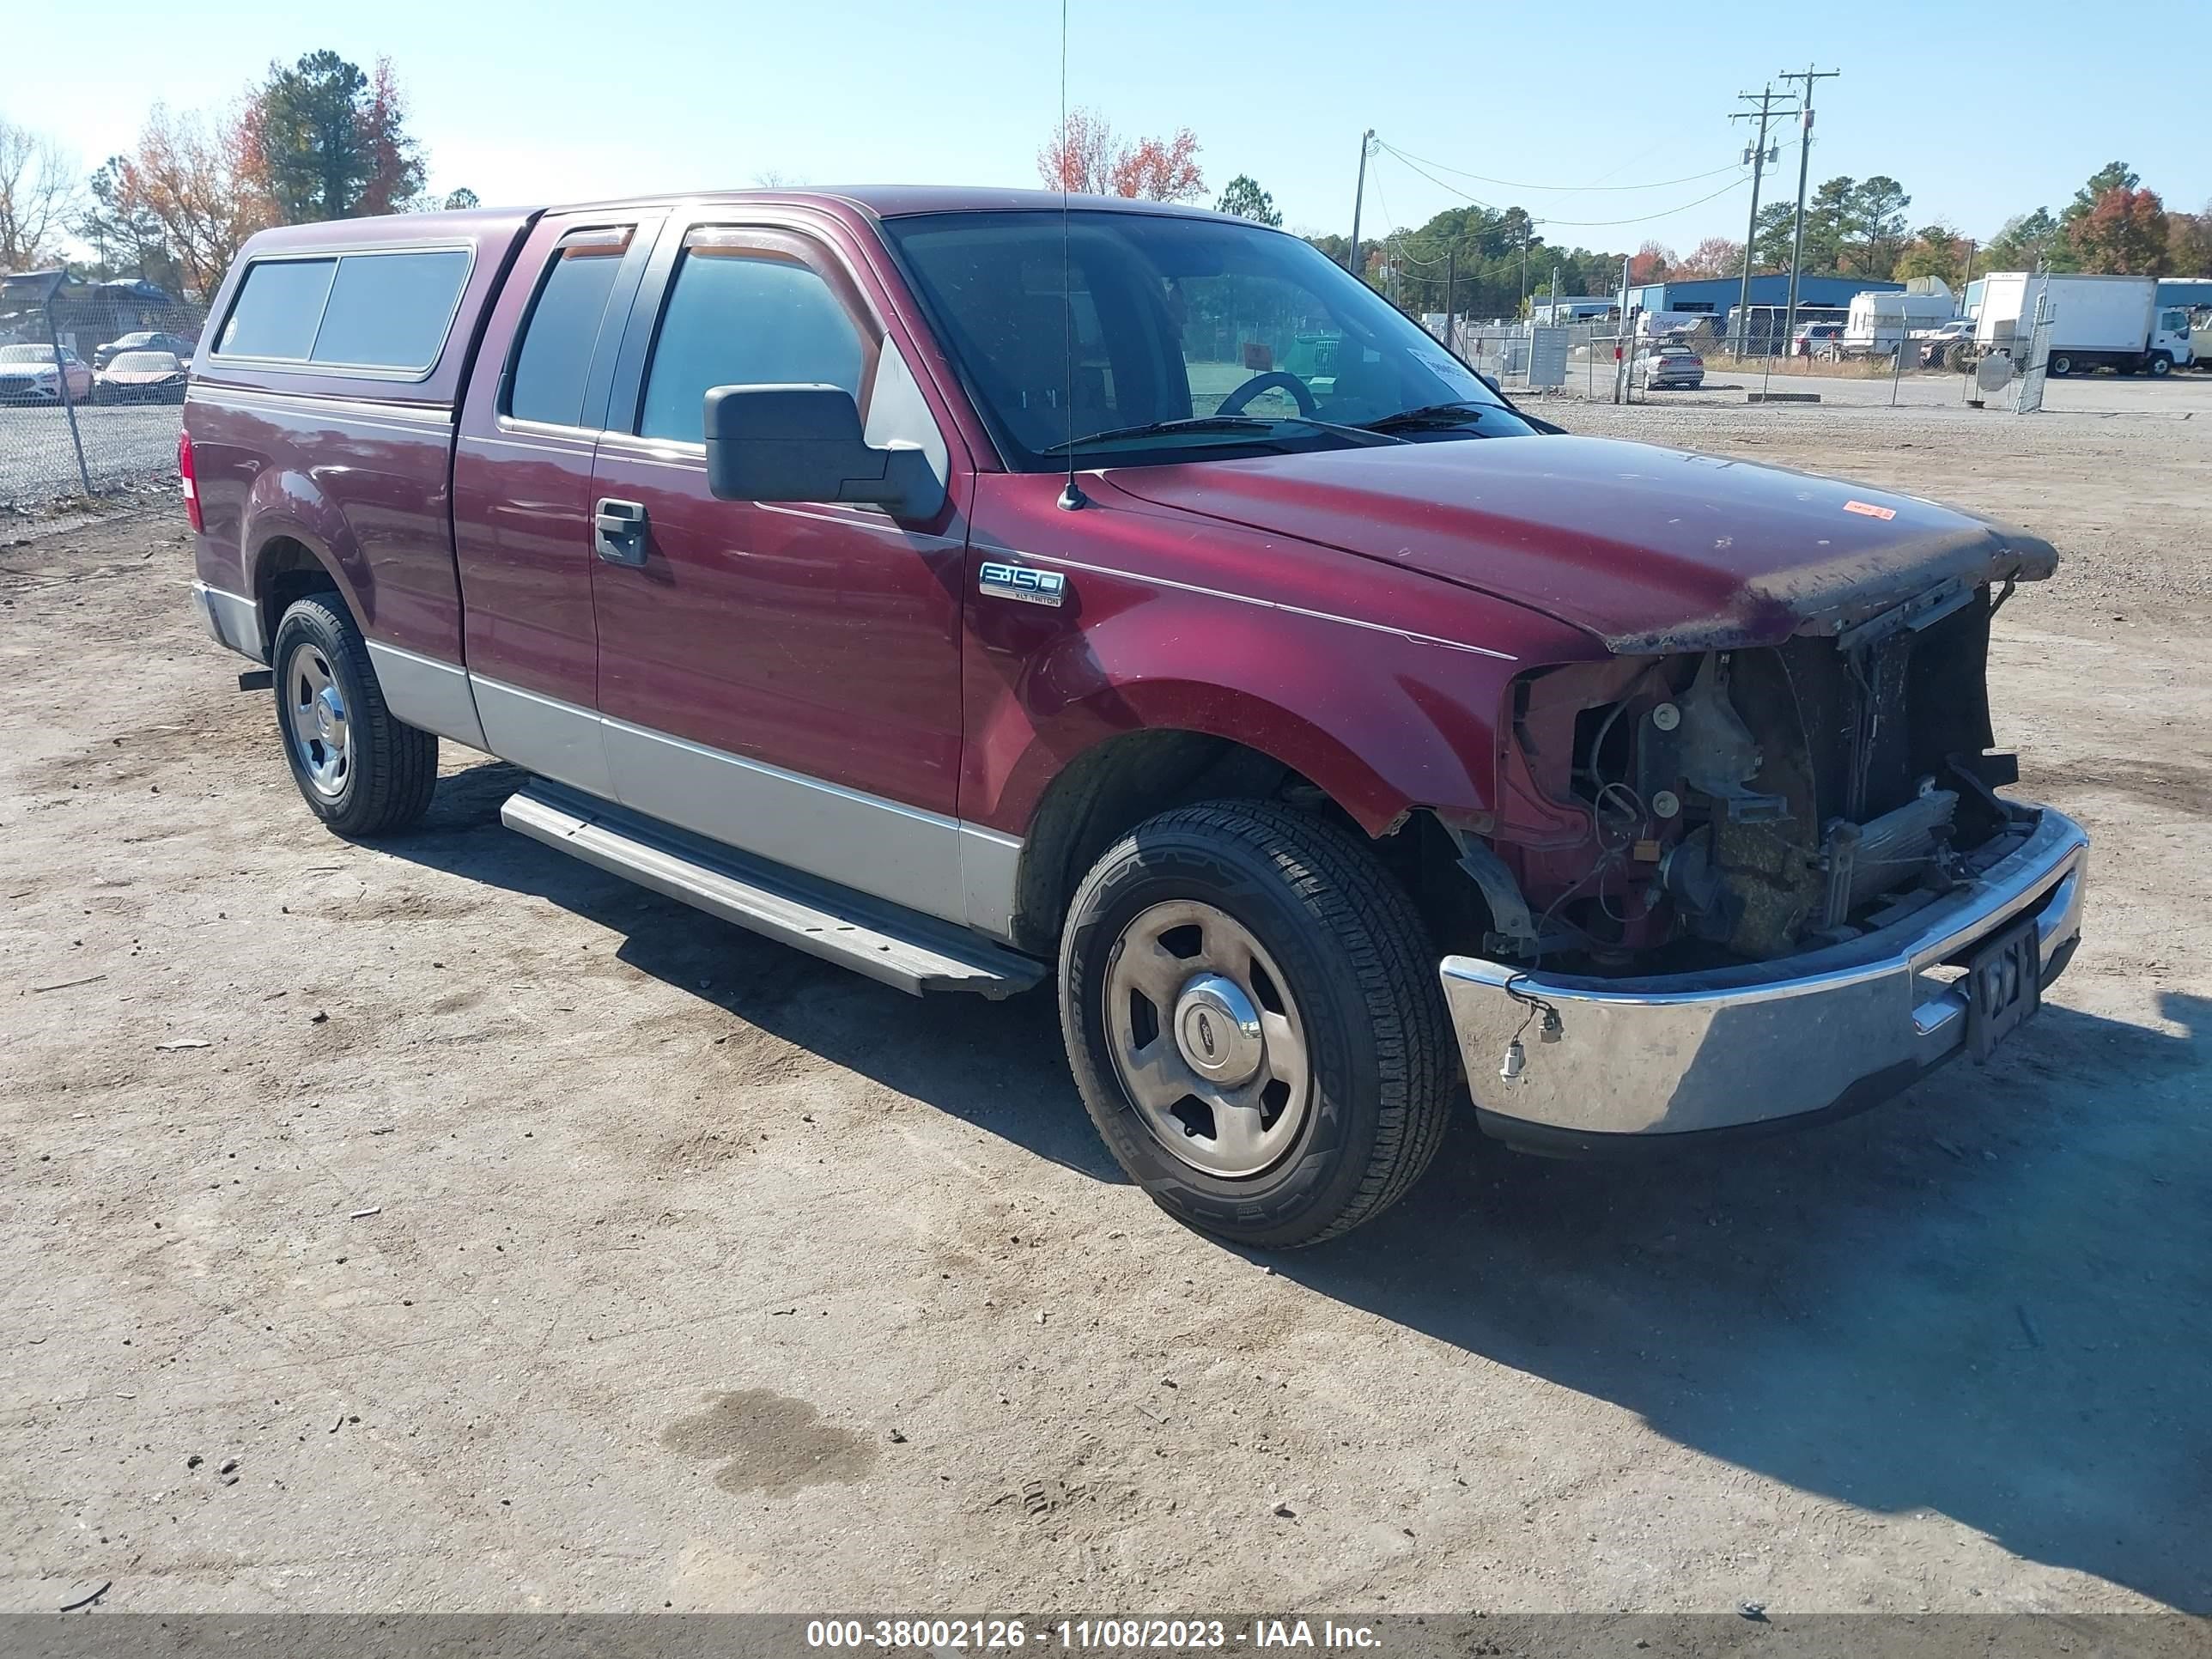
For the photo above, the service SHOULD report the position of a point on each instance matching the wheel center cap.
(1218, 1030)
(330, 714)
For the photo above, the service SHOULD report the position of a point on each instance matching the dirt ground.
(529, 1241)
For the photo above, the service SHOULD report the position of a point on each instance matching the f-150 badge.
(1020, 581)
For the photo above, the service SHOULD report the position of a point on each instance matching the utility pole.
(1804, 161)
(1451, 282)
(1358, 195)
(1765, 113)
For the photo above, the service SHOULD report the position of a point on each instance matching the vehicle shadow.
(1991, 1298)
(1988, 1299)
(999, 1065)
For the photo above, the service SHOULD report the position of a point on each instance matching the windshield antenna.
(1071, 497)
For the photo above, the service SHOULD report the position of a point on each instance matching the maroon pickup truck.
(968, 587)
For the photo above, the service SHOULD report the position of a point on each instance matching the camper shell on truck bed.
(975, 588)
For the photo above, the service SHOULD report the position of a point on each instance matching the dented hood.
(1651, 550)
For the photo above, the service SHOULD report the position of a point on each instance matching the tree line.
(1859, 227)
(321, 138)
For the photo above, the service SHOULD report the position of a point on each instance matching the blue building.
(1717, 295)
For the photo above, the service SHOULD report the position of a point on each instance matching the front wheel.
(360, 770)
(2161, 366)
(1251, 1009)
(2060, 365)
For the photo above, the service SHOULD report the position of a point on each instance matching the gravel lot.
(124, 446)
(531, 1242)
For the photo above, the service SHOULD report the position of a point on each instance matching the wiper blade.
(1265, 423)
(1430, 415)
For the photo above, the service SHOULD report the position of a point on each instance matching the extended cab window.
(391, 310)
(279, 306)
(366, 311)
(550, 370)
(740, 314)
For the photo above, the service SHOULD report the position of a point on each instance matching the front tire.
(360, 770)
(1251, 1010)
(2059, 367)
(2161, 366)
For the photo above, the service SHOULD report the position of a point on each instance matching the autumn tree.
(463, 198)
(2189, 243)
(2123, 233)
(1247, 200)
(1716, 256)
(328, 142)
(1652, 262)
(2113, 175)
(38, 197)
(1935, 250)
(192, 178)
(124, 236)
(1085, 156)
(1081, 155)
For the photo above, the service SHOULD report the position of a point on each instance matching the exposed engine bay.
(1667, 813)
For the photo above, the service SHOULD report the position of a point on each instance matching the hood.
(1651, 550)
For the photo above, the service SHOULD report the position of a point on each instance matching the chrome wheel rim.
(315, 721)
(1207, 1041)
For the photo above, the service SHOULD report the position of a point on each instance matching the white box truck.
(2097, 322)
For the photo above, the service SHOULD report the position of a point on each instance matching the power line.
(1736, 183)
(1514, 183)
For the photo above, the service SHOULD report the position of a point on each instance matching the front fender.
(1383, 718)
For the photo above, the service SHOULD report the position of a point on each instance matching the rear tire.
(1286, 938)
(360, 770)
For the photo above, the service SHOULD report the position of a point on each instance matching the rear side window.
(279, 306)
(391, 310)
(386, 312)
(744, 318)
(550, 370)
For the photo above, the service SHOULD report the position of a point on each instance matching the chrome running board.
(899, 947)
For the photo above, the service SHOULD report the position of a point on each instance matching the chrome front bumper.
(1642, 1060)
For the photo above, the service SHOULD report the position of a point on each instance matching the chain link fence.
(1661, 359)
(91, 387)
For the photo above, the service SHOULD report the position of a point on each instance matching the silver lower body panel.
(1688, 1054)
(231, 619)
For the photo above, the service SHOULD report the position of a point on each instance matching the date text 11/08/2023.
(1086, 1635)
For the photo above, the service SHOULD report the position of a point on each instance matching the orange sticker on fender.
(1871, 509)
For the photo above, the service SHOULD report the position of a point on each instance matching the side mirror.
(803, 443)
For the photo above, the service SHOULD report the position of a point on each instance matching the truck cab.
(985, 590)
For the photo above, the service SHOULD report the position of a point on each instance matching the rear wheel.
(360, 770)
(1252, 1013)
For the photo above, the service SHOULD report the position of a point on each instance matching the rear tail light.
(190, 483)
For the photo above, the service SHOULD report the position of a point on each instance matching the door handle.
(618, 530)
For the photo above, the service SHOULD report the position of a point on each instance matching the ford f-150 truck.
(970, 587)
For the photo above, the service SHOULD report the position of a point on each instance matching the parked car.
(1947, 346)
(27, 374)
(141, 377)
(1670, 365)
(181, 346)
(1818, 340)
(1326, 760)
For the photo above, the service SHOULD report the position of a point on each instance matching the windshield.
(22, 354)
(1256, 334)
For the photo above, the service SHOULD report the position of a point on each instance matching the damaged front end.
(1684, 836)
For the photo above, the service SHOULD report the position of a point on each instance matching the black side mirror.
(805, 443)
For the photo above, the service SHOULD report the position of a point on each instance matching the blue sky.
(561, 100)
